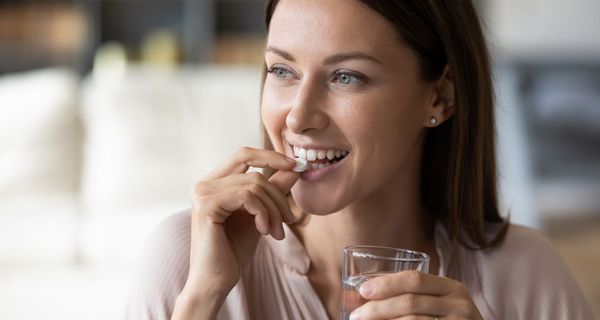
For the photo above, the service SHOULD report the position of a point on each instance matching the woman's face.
(341, 80)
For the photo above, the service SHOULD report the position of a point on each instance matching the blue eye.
(280, 73)
(347, 79)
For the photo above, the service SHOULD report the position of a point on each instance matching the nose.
(307, 111)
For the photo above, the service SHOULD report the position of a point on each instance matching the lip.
(312, 175)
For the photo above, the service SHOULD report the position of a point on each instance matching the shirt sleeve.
(163, 270)
(526, 278)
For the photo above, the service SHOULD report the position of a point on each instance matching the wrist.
(195, 304)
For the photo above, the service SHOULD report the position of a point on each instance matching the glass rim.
(418, 256)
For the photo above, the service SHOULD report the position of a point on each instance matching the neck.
(392, 216)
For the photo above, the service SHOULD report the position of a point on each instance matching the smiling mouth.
(318, 159)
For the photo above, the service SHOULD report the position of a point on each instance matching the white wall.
(545, 27)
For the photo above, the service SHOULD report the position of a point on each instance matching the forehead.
(322, 26)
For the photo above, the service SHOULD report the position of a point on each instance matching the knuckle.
(244, 150)
(198, 188)
(464, 308)
(198, 193)
(414, 279)
(256, 177)
(385, 283)
(246, 195)
(460, 288)
(371, 308)
(411, 301)
(254, 188)
(244, 153)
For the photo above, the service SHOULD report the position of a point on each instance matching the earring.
(433, 121)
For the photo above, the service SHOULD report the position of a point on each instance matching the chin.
(317, 203)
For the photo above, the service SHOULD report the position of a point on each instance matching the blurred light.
(110, 63)
(160, 48)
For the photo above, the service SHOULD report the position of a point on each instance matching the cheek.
(273, 114)
(392, 121)
(387, 135)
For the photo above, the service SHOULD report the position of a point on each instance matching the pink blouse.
(524, 278)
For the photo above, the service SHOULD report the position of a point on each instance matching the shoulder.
(169, 241)
(167, 250)
(526, 278)
(524, 256)
(173, 232)
(524, 243)
(163, 269)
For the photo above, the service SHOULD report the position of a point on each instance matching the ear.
(442, 106)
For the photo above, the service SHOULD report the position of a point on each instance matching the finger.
(246, 157)
(406, 282)
(274, 213)
(221, 206)
(273, 192)
(278, 186)
(403, 305)
(255, 207)
(284, 180)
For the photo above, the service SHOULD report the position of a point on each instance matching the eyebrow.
(336, 58)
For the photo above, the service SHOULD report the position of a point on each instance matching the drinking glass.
(362, 263)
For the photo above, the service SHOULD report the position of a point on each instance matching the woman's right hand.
(230, 210)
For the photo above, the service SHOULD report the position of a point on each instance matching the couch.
(88, 166)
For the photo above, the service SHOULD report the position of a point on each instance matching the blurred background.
(111, 109)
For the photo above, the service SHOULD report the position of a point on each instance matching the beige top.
(524, 278)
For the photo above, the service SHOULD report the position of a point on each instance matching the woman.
(394, 100)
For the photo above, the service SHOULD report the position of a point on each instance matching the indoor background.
(111, 109)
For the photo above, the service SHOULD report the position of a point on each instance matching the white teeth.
(321, 165)
(302, 153)
(315, 166)
(330, 154)
(321, 154)
(314, 154)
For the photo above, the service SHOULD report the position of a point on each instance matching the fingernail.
(281, 232)
(278, 233)
(290, 160)
(366, 289)
(292, 218)
(355, 315)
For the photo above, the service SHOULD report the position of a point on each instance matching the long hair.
(459, 173)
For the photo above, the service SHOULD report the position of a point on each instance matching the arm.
(193, 306)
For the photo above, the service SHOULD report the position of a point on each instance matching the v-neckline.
(292, 253)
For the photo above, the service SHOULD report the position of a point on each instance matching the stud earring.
(433, 121)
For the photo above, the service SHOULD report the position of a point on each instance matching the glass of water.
(362, 263)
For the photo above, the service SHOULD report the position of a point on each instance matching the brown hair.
(459, 165)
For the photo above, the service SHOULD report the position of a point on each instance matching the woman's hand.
(230, 210)
(415, 295)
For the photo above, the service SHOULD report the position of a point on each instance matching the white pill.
(301, 165)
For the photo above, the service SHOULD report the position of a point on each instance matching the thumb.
(284, 180)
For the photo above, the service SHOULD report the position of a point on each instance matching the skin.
(379, 109)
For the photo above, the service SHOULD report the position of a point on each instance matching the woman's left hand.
(415, 295)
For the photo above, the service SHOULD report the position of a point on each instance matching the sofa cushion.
(40, 148)
(150, 135)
